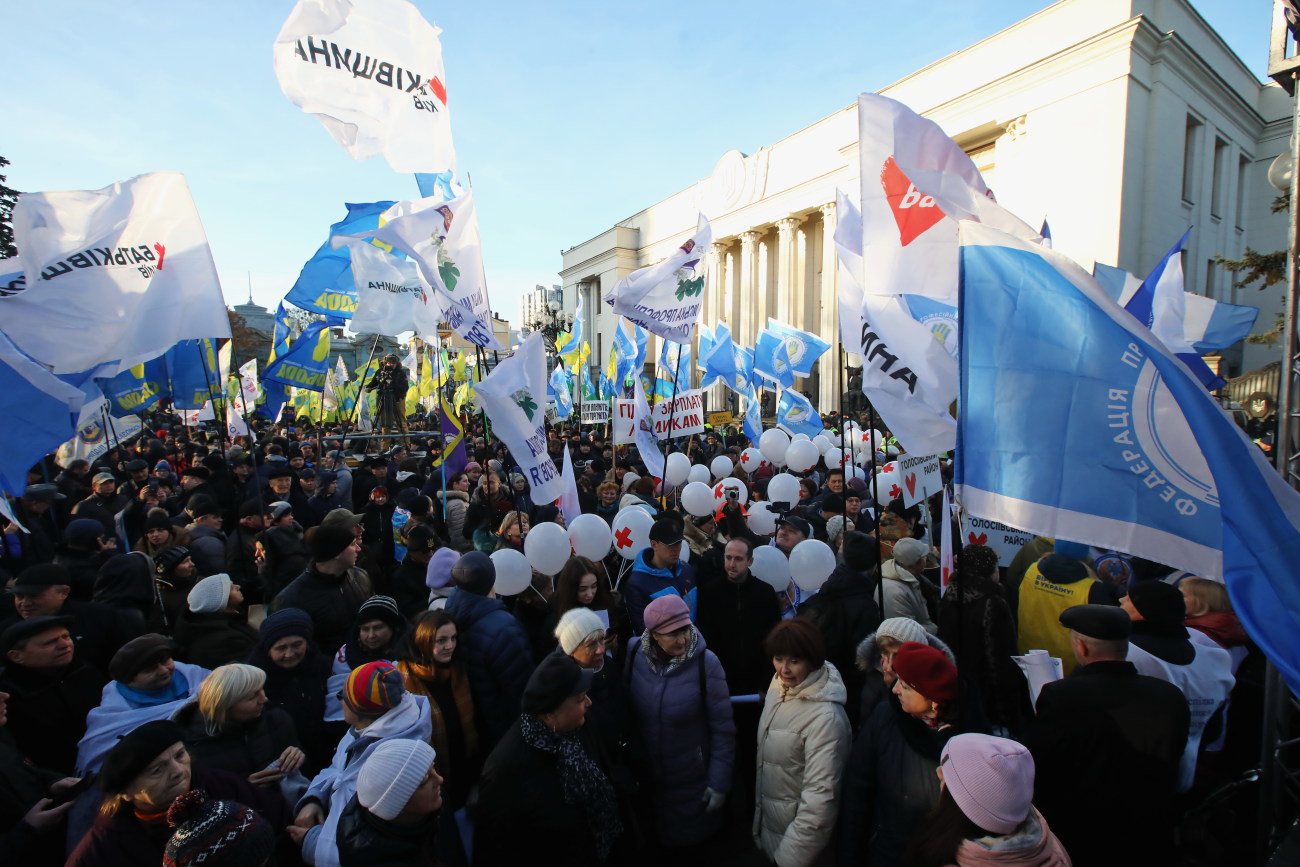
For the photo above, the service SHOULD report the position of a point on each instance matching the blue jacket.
(498, 660)
(647, 583)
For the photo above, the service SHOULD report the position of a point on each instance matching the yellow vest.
(1039, 612)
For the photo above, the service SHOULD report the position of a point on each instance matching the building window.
(1219, 180)
(1191, 143)
(1243, 179)
(1210, 279)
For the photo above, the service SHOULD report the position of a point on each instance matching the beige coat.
(803, 746)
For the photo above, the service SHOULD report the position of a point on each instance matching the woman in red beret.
(890, 783)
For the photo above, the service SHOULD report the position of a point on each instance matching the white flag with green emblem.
(514, 397)
(666, 298)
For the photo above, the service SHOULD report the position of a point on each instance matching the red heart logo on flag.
(978, 540)
(914, 212)
(910, 481)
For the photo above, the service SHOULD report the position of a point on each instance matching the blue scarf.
(178, 687)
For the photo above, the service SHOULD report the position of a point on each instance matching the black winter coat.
(212, 640)
(734, 619)
(240, 749)
(331, 600)
(1106, 743)
(498, 660)
(47, 712)
(22, 784)
(364, 839)
(300, 692)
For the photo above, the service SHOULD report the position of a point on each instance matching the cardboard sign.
(685, 414)
(718, 419)
(623, 427)
(919, 477)
(595, 413)
(1007, 541)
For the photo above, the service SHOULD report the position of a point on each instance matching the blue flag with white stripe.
(752, 425)
(1208, 325)
(560, 389)
(796, 414)
(325, 284)
(802, 347)
(1078, 423)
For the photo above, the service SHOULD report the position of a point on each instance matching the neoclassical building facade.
(1121, 122)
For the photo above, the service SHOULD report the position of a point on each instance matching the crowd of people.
(288, 650)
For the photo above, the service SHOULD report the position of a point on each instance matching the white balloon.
(699, 473)
(801, 456)
(851, 472)
(822, 442)
(751, 459)
(762, 520)
(721, 467)
(875, 437)
(799, 437)
(833, 457)
(629, 479)
(684, 555)
(676, 469)
(632, 531)
(773, 444)
(771, 567)
(783, 488)
(513, 572)
(697, 498)
(719, 491)
(589, 536)
(834, 437)
(888, 484)
(811, 562)
(547, 547)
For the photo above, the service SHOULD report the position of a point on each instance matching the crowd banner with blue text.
(802, 347)
(514, 397)
(1085, 427)
(40, 411)
(797, 415)
(388, 291)
(1160, 304)
(772, 359)
(666, 298)
(306, 363)
(372, 73)
(100, 263)
(325, 285)
(138, 388)
(442, 237)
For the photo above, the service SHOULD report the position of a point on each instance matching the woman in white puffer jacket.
(803, 744)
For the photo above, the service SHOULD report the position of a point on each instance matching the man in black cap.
(1106, 743)
(658, 570)
(137, 470)
(409, 589)
(330, 589)
(97, 629)
(497, 655)
(1160, 647)
(84, 549)
(391, 383)
(50, 691)
(279, 484)
(207, 541)
(194, 484)
(547, 752)
(790, 531)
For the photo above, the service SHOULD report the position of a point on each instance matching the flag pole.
(671, 408)
(442, 462)
(840, 370)
(365, 378)
(875, 496)
(487, 427)
(207, 378)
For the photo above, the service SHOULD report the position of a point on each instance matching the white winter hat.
(901, 629)
(211, 594)
(391, 774)
(575, 626)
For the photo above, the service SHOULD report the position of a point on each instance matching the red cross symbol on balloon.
(624, 537)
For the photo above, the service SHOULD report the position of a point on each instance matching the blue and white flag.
(772, 359)
(720, 362)
(796, 414)
(325, 284)
(281, 332)
(40, 413)
(666, 298)
(741, 380)
(306, 363)
(673, 372)
(1160, 305)
(1080, 424)
(560, 388)
(706, 348)
(630, 342)
(752, 425)
(802, 347)
(1208, 325)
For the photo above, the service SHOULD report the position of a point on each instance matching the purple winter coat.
(688, 739)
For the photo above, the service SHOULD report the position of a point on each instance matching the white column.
(749, 300)
(829, 325)
(787, 270)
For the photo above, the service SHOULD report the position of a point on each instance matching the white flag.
(235, 424)
(120, 275)
(569, 505)
(334, 385)
(666, 298)
(250, 389)
(514, 397)
(389, 290)
(945, 544)
(442, 237)
(643, 432)
(372, 72)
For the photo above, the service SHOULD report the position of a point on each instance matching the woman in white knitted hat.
(986, 814)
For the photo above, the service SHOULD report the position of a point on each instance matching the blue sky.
(568, 117)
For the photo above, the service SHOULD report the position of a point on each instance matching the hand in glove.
(713, 800)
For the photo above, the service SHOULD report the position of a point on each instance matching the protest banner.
(717, 419)
(685, 415)
(919, 475)
(623, 429)
(595, 413)
(1005, 540)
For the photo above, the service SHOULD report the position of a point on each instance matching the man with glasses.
(658, 570)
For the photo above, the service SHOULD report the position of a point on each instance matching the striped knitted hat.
(373, 689)
(215, 833)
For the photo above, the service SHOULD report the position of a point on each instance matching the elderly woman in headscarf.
(545, 780)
